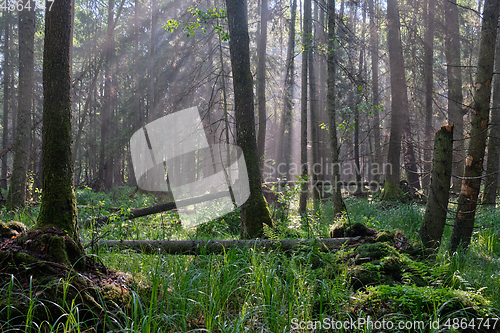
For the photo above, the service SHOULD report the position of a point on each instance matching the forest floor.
(382, 282)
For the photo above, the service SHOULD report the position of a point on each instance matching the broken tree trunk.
(135, 213)
(437, 203)
(195, 247)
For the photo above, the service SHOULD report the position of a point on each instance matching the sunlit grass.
(252, 290)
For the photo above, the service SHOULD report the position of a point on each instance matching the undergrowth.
(272, 291)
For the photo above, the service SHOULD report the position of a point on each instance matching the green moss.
(17, 226)
(375, 251)
(6, 231)
(368, 274)
(345, 230)
(385, 236)
(57, 250)
(390, 192)
(23, 258)
(253, 216)
(381, 300)
(115, 293)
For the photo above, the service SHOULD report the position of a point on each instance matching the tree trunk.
(338, 205)
(429, 86)
(197, 247)
(58, 206)
(492, 165)
(313, 112)
(374, 41)
(398, 81)
(439, 191)
(455, 97)
(106, 165)
(152, 101)
(254, 213)
(467, 201)
(286, 129)
(261, 84)
(17, 191)
(304, 192)
(6, 96)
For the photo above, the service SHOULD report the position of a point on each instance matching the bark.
(254, 213)
(338, 205)
(152, 100)
(286, 129)
(391, 187)
(303, 107)
(17, 190)
(492, 165)
(261, 84)
(197, 247)
(374, 41)
(58, 205)
(314, 113)
(455, 96)
(436, 209)
(106, 156)
(6, 96)
(480, 109)
(429, 87)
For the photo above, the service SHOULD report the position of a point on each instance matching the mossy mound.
(347, 230)
(412, 301)
(385, 236)
(390, 270)
(11, 229)
(369, 264)
(44, 279)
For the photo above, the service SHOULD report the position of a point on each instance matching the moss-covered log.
(195, 247)
(437, 204)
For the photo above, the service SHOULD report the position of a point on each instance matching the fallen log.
(135, 213)
(196, 247)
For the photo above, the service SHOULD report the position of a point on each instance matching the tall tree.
(398, 84)
(6, 94)
(306, 38)
(467, 201)
(331, 68)
(17, 191)
(58, 205)
(254, 212)
(313, 111)
(492, 164)
(374, 41)
(429, 87)
(152, 87)
(261, 83)
(286, 123)
(455, 96)
(106, 165)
